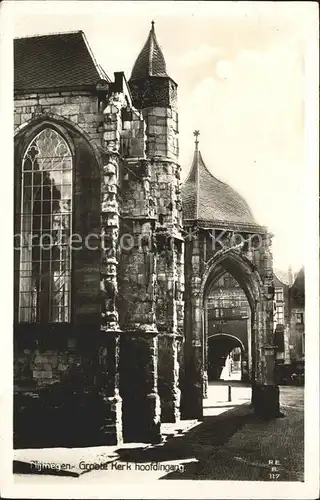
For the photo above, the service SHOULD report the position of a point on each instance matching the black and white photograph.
(161, 301)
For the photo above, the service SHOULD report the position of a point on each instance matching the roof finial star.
(152, 25)
(196, 133)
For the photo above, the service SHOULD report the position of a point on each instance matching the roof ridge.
(99, 68)
(150, 50)
(57, 33)
(190, 169)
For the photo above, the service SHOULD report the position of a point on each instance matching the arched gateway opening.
(230, 299)
(227, 325)
(225, 357)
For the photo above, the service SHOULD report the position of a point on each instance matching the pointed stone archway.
(227, 315)
(256, 282)
(249, 280)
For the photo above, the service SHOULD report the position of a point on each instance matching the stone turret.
(155, 94)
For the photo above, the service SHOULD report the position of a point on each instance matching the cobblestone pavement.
(230, 444)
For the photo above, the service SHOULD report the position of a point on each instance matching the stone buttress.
(155, 94)
(265, 391)
(108, 356)
(137, 274)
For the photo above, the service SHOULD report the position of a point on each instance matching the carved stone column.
(168, 380)
(138, 383)
(205, 350)
(168, 301)
(265, 392)
(192, 395)
(108, 355)
(166, 192)
(180, 338)
(109, 411)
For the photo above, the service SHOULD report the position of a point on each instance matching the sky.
(242, 75)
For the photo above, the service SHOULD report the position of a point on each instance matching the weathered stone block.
(69, 99)
(90, 117)
(159, 111)
(25, 102)
(62, 367)
(89, 107)
(39, 359)
(25, 117)
(38, 374)
(52, 101)
(74, 118)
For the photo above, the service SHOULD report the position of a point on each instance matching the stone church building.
(115, 258)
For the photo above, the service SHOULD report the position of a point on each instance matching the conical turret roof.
(205, 197)
(150, 61)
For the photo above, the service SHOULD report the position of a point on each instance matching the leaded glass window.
(46, 223)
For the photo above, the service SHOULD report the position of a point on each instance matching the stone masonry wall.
(79, 108)
(138, 253)
(54, 383)
(162, 132)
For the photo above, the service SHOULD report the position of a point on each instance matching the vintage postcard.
(161, 300)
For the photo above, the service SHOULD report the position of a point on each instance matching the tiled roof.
(298, 287)
(206, 198)
(62, 60)
(282, 276)
(150, 61)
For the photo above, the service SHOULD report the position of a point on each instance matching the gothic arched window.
(46, 223)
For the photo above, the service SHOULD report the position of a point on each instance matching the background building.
(297, 318)
(289, 324)
(281, 318)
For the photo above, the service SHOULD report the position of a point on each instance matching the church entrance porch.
(259, 292)
(222, 236)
